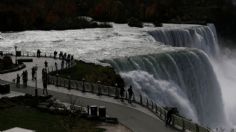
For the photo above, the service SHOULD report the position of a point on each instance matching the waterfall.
(200, 37)
(176, 78)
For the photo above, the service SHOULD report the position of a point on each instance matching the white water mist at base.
(225, 69)
(183, 79)
(166, 93)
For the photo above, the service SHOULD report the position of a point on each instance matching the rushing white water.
(183, 79)
(172, 76)
(201, 37)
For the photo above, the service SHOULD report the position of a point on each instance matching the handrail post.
(99, 89)
(183, 127)
(83, 87)
(69, 82)
(156, 108)
(57, 80)
(197, 128)
(147, 103)
(117, 91)
(76, 84)
(108, 91)
(141, 99)
(152, 105)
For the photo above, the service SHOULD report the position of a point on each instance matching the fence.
(179, 123)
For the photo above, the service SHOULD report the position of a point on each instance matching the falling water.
(179, 78)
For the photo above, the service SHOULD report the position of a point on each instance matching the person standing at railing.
(18, 81)
(38, 53)
(169, 115)
(56, 66)
(62, 64)
(131, 93)
(46, 64)
(55, 54)
(60, 55)
(45, 79)
(33, 73)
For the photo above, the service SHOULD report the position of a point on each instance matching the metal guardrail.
(178, 122)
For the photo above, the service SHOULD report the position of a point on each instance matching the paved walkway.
(136, 117)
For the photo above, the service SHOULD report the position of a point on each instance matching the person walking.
(130, 92)
(18, 81)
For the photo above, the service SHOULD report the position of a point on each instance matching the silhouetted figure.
(62, 64)
(46, 64)
(64, 56)
(68, 61)
(18, 81)
(169, 115)
(122, 92)
(71, 58)
(56, 66)
(25, 78)
(60, 55)
(38, 53)
(45, 81)
(130, 91)
(55, 54)
(33, 73)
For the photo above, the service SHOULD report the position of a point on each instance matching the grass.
(93, 73)
(31, 118)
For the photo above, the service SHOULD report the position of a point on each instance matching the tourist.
(56, 66)
(122, 91)
(55, 54)
(46, 64)
(130, 91)
(38, 53)
(26, 78)
(18, 81)
(169, 115)
(60, 55)
(62, 64)
(33, 73)
(45, 82)
(64, 56)
(43, 73)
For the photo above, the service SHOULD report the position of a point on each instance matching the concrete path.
(136, 117)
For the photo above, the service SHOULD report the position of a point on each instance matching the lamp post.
(99, 88)
(116, 92)
(36, 87)
(83, 87)
(15, 54)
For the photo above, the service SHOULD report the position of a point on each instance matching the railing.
(178, 122)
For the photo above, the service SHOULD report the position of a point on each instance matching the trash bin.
(93, 110)
(4, 88)
(102, 112)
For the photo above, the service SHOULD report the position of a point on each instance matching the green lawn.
(31, 118)
(93, 73)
